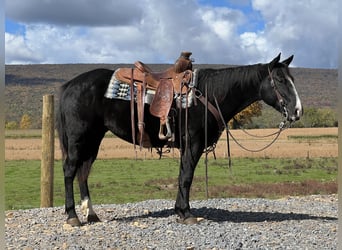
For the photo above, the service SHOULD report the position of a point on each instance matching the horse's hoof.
(189, 220)
(92, 218)
(75, 222)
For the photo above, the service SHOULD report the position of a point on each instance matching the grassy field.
(302, 162)
(122, 180)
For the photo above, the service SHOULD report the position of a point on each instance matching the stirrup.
(168, 134)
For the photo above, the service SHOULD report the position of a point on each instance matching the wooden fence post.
(48, 148)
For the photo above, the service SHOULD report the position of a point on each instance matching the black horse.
(85, 115)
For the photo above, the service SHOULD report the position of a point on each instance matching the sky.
(235, 32)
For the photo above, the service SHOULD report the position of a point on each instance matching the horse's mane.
(221, 81)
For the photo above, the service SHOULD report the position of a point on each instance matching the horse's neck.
(245, 93)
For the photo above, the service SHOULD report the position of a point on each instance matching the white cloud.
(18, 52)
(253, 43)
(156, 31)
(222, 21)
(307, 28)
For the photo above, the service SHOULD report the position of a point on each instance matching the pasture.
(301, 162)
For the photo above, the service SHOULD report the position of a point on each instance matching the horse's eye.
(280, 79)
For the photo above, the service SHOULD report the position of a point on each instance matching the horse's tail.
(61, 125)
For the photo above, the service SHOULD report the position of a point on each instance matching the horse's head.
(278, 90)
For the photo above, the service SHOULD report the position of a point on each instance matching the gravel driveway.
(289, 223)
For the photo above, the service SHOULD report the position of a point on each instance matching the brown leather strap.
(140, 110)
(214, 111)
(132, 108)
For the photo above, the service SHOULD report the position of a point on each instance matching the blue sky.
(14, 27)
(154, 31)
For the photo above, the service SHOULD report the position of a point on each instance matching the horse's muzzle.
(297, 114)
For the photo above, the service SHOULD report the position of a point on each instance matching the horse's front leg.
(189, 160)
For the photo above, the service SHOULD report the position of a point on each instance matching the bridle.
(281, 101)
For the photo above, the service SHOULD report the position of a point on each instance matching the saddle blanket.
(120, 90)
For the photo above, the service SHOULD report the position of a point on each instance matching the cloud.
(18, 52)
(156, 31)
(305, 28)
(75, 12)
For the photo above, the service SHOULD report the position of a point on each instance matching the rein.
(277, 133)
(281, 124)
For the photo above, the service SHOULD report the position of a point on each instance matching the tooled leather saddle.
(165, 84)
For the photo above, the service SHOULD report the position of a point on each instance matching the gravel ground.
(289, 223)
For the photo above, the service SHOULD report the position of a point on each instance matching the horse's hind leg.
(90, 150)
(70, 169)
(73, 165)
(86, 205)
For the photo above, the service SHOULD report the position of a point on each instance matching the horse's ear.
(288, 60)
(274, 62)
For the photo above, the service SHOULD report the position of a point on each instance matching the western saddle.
(165, 84)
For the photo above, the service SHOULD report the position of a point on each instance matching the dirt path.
(30, 149)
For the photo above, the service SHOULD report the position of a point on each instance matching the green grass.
(312, 137)
(22, 133)
(34, 133)
(122, 180)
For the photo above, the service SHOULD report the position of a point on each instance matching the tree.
(25, 122)
(315, 117)
(11, 125)
(246, 115)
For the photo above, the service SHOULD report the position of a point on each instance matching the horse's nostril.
(293, 118)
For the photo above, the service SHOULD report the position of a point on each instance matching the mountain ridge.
(25, 85)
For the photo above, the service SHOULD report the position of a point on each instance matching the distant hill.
(26, 85)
